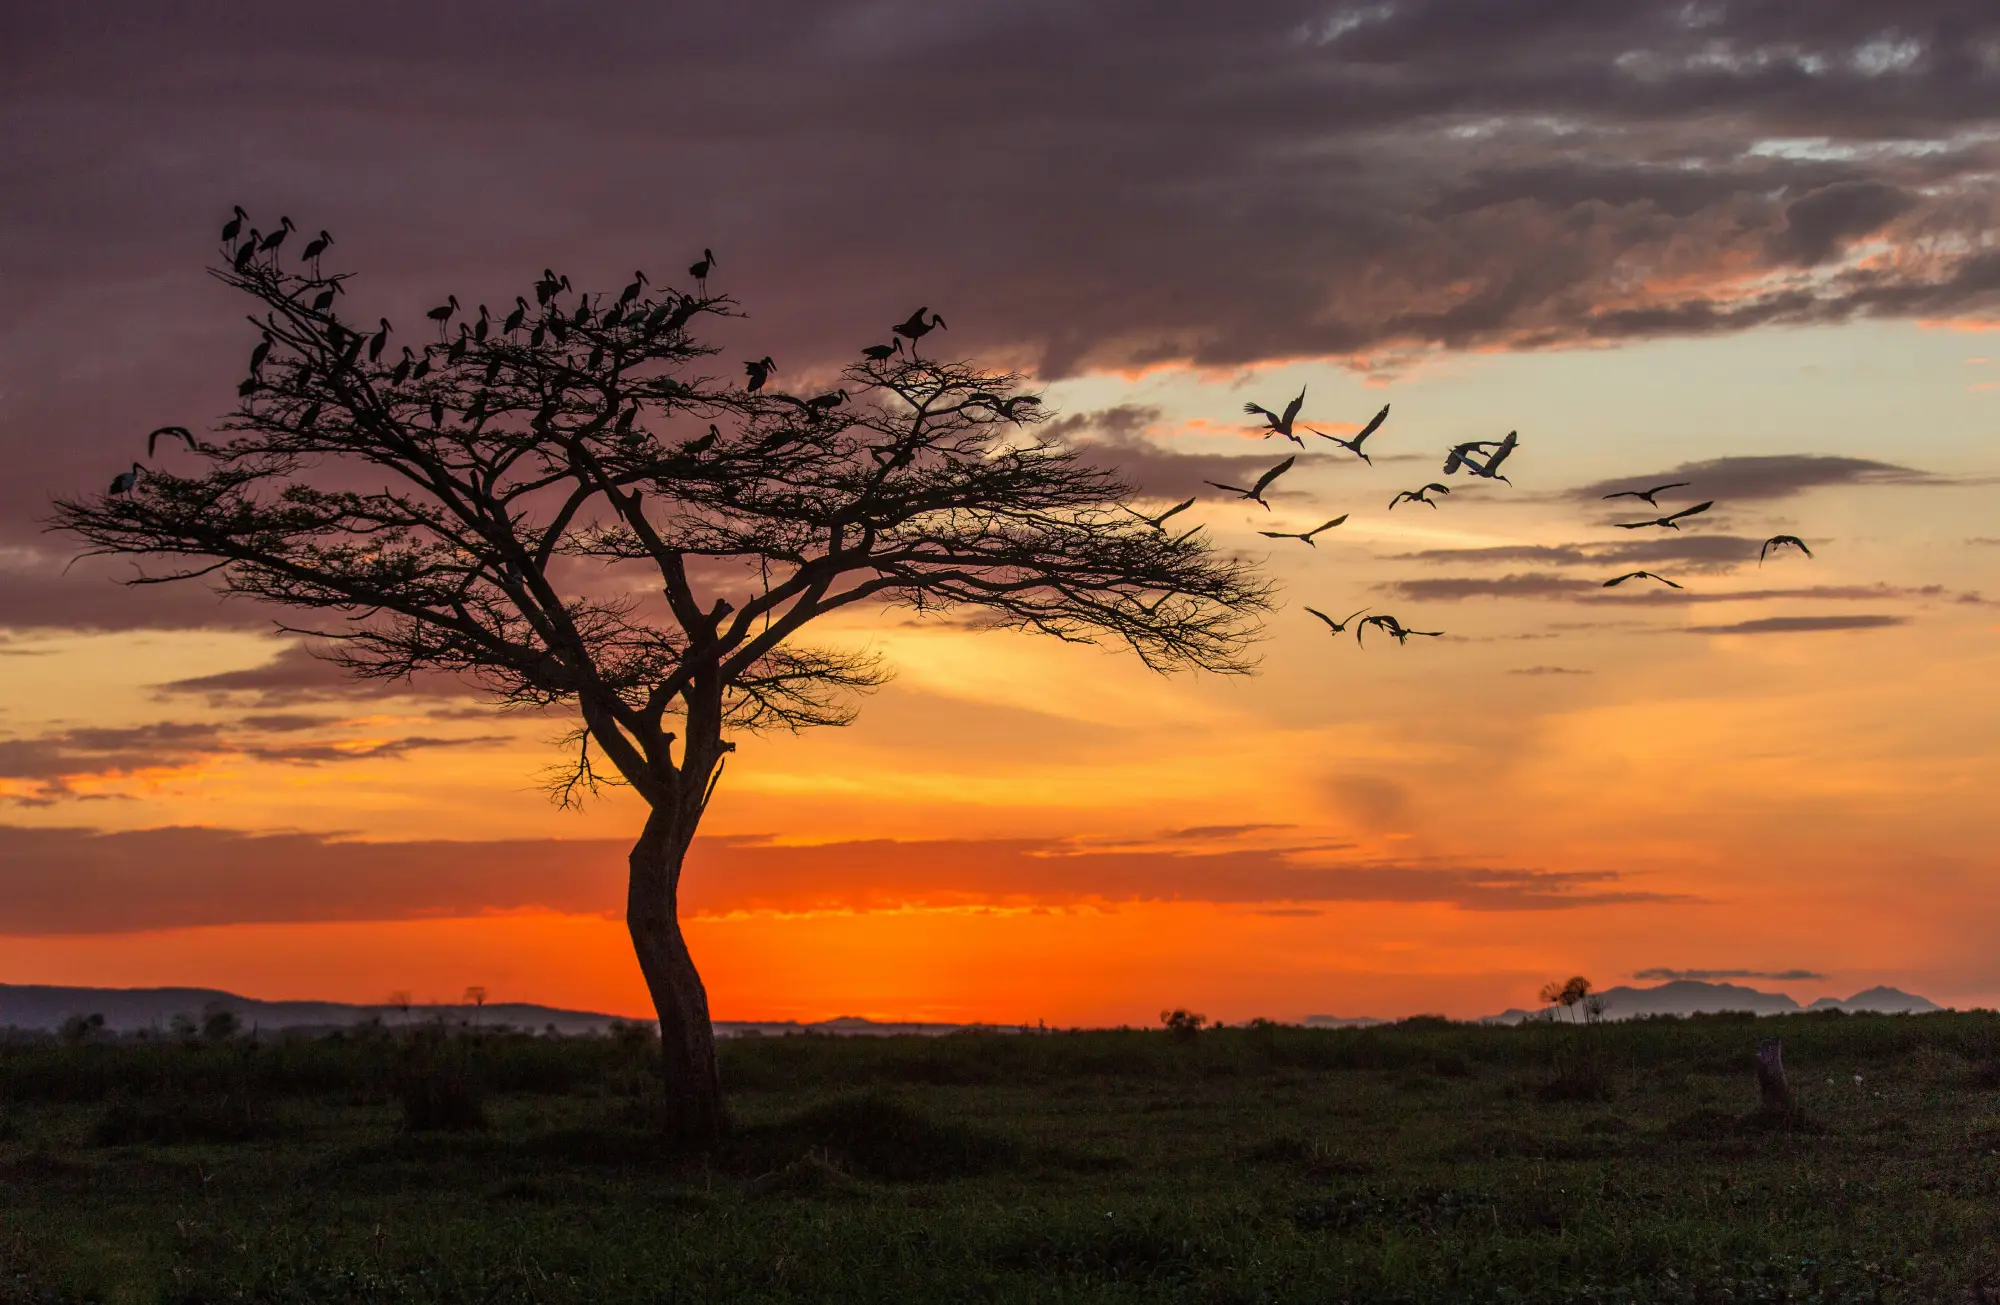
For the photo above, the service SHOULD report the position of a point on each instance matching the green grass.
(1416, 1163)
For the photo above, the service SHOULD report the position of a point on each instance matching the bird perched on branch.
(1639, 575)
(758, 371)
(442, 313)
(127, 481)
(882, 352)
(1256, 492)
(1782, 541)
(699, 271)
(1279, 425)
(1308, 535)
(1647, 494)
(276, 238)
(316, 246)
(914, 328)
(1419, 495)
(234, 226)
(1671, 521)
(1354, 445)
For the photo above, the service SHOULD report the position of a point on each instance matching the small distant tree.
(1183, 1024)
(81, 1028)
(475, 997)
(1567, 995)
(220, 1024)
(559, 502)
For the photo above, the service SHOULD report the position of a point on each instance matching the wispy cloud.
(81, 881)
(1770, 476)
(1801, 624)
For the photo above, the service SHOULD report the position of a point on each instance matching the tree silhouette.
(559, 504)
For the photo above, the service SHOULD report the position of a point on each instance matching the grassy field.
(1419, 1162)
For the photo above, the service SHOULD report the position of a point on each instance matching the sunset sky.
(1750, 245)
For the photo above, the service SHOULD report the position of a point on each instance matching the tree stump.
(1775, 1093)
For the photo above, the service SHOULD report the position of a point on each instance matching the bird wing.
(1611, 584)
(1178, 507)
(1663, 580)
(1292, 408)
(1633, 525)
(1678, 484)
(1234, 489)
(1328, 526)
(1259, 410)
(1279, 534)
(1374, 424)
(1411, 496)
(1627, 493)
(1274, 473)
(1688, 512)
(1324, 617)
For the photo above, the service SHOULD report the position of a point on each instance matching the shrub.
(439, 1088)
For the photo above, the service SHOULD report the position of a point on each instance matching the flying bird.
(171, 432)
(758, 371)
(1007, 407)
(1490, 469)
(1419, 495)
(1280, 425)
(1456, 457)
(1640, 575)
(699, 271)
(1308, 535)
(1782, 541)
(1333, 626)
(127, 481)
(914, 328)
(1394, 628)
(1159, 522)
(1647, 494)
(1256, 492)
(1354, 445)
(1672, 521)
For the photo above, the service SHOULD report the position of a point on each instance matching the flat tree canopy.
(563, 502)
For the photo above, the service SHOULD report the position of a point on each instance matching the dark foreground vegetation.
(1418, 1162)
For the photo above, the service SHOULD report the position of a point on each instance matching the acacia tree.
(562, 505)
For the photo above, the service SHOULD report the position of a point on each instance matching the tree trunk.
(695, 1114)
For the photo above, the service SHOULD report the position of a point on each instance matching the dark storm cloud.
(1662, 972)
(1769, 477)
(1801, 624)
(1073, 185)
(81, 881)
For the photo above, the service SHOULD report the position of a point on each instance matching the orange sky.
(1571, 781)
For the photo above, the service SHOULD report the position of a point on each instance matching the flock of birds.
(1480, 459)
(415, 366)
(1477, 458)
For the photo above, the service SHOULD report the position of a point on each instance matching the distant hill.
(130, 1010)
(1695, 997)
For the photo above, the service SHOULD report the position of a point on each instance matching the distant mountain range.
(130, 1010)
(1695, 997)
